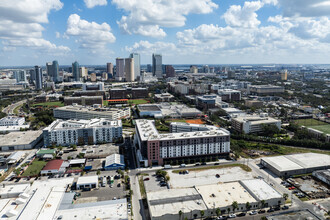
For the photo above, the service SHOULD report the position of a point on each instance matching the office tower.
(75, 71)
(49, 70)
(105, 76)
(83, 72)
(93, 77)
(170, 71)
(55, 71)
(193, 69)
(284, 75)
(20, 76)
(38, 74)
(157, 65)
(120, 65)
(137, 65)
(129, 69)
(149, 68)
(206, 69)
(110, 68)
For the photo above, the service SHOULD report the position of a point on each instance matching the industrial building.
(159, 149)
(54, 167)
(86, 113)
(166, 204)
(296, 164)
(114, 162)
(87, 182)
(253, 123)
(21, 140)
(82, 132)
(84, 100)
(265, 89)
(323, 175)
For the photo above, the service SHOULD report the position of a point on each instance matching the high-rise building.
(49, 69)
(120, 65)
(83, 72)
(193, 69)
(105, 76)
(38, 74)
(75, 71)
(55, 73)
(206, 69)
(284, 75)
(93, 77)
(129, 69)
(20, 76)
(157, 65)
(110, 68)
(149, 68)
(170, 71)
(137, 65)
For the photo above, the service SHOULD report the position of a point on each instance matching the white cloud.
(245, 16)
(145, 47)
(147, 17)
(90, 35)
(57, 34)
(305, 8)
(21, 23)
(93, 3)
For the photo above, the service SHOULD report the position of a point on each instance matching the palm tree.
(180, 214)
(218, 212)
(202, 214)
(262, 203)
(285, 196)
(247, 206)
(234, 205)
(228, 210)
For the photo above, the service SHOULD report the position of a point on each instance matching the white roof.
(114, 159)
(11, 213)
(15, 156)
(87, 180)
(260, 189)
(77, 161)
(14, 189)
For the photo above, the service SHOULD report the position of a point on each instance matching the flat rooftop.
(19, 138)
(260, 189)
(171, 201)
(87, 180)
(255, 119)
(80, 108)
(298, 161)
(74, 124)
(224, 194)
(148, 108)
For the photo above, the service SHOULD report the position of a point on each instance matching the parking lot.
(153, 184)
(208, 176)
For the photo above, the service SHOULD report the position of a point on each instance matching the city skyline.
(184, 32)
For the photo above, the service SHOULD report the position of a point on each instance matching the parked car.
(270, 210)
(203, 163)
(253, 212)
(183, 165)
(221, 218)
(261, 211)
(285, 207)
(197, 164)
(118, 185)
(217, 176)
(241, 214)
(146, 179)
(277, 208)
(216, 164)
(232, 216)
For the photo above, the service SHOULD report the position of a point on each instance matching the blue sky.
(184, 31)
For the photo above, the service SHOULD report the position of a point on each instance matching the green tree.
(98, 172)
(228, 210)
(262, 203)
(180, 214)
(247, 206)
(285, 196)
(234, 205)
(218, 212)
(202, 214)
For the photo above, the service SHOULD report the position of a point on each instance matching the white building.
(12, 121)
(82, 132)
(253, 123)
(114, 162)
(87, 182)
(93, 86)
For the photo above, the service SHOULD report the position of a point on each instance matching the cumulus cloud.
(145, 47)
(91, 35)
(93, 3)
(305, 8)
(21, 23)
(148, 17)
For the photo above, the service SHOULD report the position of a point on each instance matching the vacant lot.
(315, 124)
(195, 121)
(34, 168)
(49, 104)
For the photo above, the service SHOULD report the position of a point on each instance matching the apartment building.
(265, 89)
(253, 123)
(82, 132)
(12, 121)
(189, 142)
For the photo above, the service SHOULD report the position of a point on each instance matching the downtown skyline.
(33, 32)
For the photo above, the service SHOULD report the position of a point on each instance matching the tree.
(247, 206)
(285, 196)
(263, 218)
(269, 129)
(218, 212)
(98, 172)
(180, 214)
(262, 203)
(234, 205)
(202, 214)
(228, 210)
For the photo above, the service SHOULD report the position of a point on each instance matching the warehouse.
(87, 182)
(289, 165)
(20, 140)
(53, 167)
(114, 162)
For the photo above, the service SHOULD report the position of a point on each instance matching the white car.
(253, 212)
(221, 217)
(232, 216)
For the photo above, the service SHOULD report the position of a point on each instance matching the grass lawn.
(16, 110)
(315, 124)
(34, 168)
(105, 102)
(176, 120)
(137, 101)
(242, 166)
(59, 104)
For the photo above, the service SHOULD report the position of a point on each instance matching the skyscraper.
(129, 69)
(55, 73)
(137, 68)
(110, 68)
(149, 68)
(20, 76)
(170, 71)
(157, 65)
(284, 75)
(49, 70)
(38, 74)
(75, 71)
(120, 65)
(83, 71)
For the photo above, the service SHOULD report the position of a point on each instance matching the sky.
(94, 32)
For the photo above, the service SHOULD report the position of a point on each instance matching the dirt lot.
(195, 121)
(314, 189)
(205, 177)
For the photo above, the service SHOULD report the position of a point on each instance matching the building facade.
(157, 65)
(75, 71)
(128, 93)
(84, 100)
(137, 65)
(253, 123)
(38, 74)
(160, 149)
(12, 121)
(129, 70)
(120, 67)
(110, 68)
(82, 132)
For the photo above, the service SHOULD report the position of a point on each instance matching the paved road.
(9, 110)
